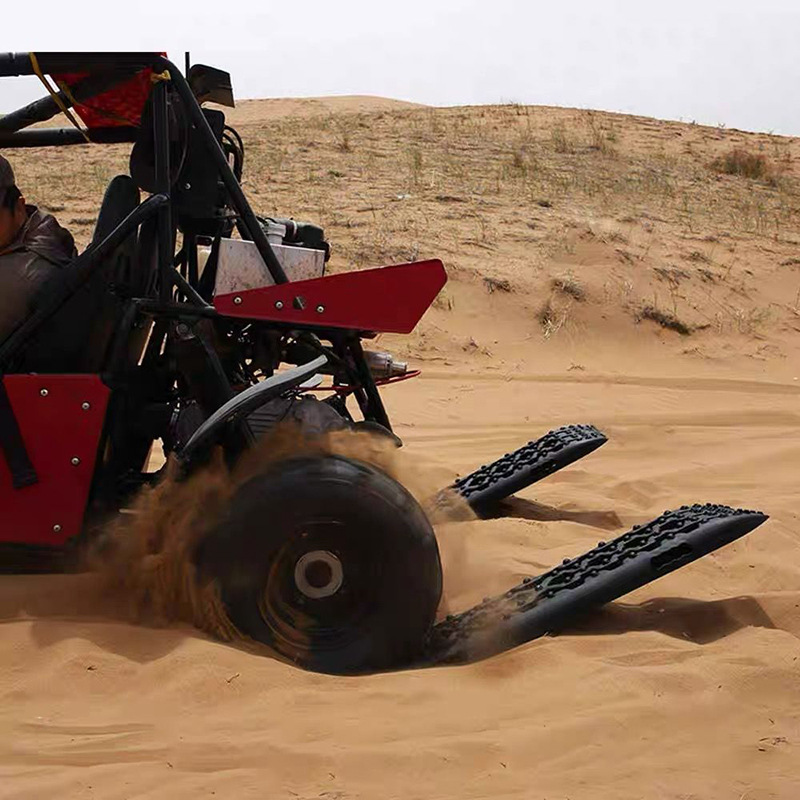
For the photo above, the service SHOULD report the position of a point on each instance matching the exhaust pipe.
(383, 365)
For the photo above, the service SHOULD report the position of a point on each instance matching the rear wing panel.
(383, 300)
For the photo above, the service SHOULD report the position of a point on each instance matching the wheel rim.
(318, 574)
(320, 588)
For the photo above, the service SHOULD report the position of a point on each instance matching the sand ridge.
(256, 111)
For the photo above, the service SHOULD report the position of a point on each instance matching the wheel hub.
(318, 574)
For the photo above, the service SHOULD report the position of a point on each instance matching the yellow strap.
(40, 75)
(155, 77)
(64, 86)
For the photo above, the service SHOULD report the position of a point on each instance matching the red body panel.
(387, 299)
(56, 429)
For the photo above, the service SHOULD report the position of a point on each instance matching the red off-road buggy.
(170, 327)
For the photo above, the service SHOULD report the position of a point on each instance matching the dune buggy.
(192, 321)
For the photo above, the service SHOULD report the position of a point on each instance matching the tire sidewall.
(398, 546)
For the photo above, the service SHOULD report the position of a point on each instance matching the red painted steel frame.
(61, 418)
(384, 300)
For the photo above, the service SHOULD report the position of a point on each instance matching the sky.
(717, 62)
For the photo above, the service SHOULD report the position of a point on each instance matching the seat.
(77, 337)
(120, 198)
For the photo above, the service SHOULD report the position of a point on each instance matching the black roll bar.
(190, 292)
(215, 151)
(14, 64)
(59, 137)
(166, 233)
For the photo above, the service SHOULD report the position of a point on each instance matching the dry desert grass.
(649, 219)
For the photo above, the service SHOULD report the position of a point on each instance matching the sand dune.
(256, 111)
(688, 688)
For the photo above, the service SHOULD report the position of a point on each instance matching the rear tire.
(330, 562)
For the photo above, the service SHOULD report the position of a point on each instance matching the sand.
(688, 688)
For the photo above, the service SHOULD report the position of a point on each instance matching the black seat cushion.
(121, 197)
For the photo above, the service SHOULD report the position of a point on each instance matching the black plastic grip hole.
(673, 558)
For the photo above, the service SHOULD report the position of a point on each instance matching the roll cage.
(106, 71)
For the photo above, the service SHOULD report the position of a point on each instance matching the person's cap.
(6, 175)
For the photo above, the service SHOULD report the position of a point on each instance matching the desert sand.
(601, 270)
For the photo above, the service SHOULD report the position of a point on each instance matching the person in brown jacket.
(32, 247)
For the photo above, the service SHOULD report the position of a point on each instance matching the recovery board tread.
(543, 604)
(490, 483)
